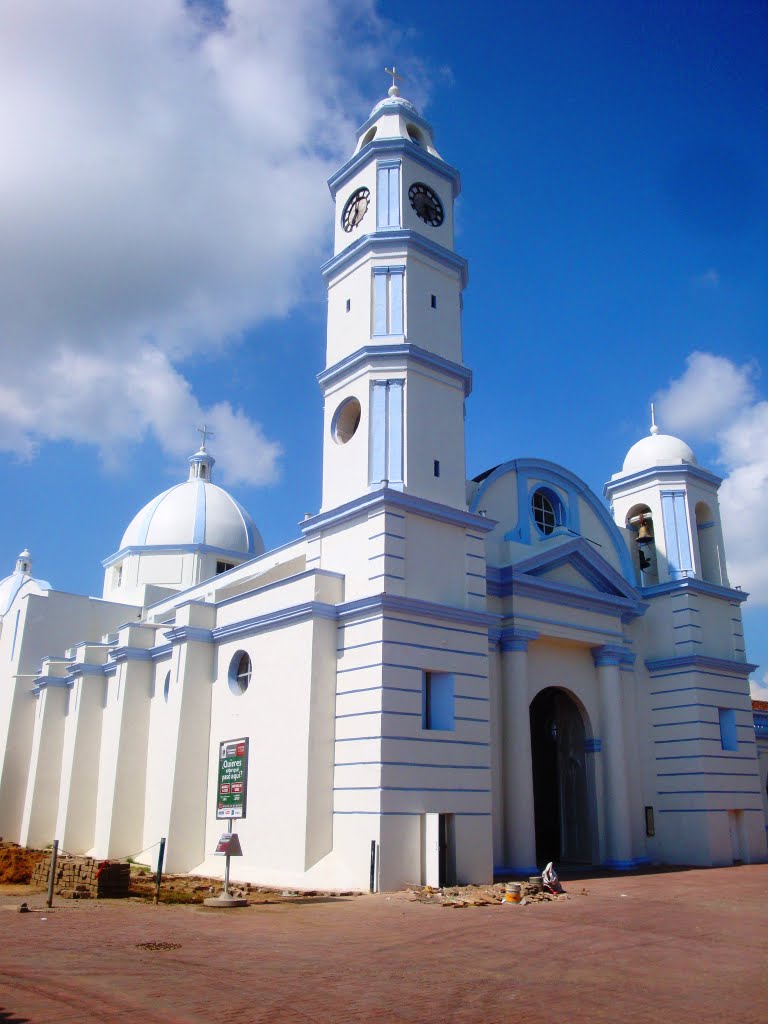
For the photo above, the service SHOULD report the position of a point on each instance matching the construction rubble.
(484, 895)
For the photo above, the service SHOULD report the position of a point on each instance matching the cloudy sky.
(164, 215)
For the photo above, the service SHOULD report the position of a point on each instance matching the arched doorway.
(560, 789)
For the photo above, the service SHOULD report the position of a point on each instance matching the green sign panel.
(233, 779)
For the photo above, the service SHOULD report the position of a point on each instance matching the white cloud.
(162, 189)
(710, 392)
(708, 279)
(715, 399)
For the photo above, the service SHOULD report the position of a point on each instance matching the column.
(617, 835)
(517, 769)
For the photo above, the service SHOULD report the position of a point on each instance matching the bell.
(644, 533)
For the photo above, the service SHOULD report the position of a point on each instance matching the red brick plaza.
(672, 947)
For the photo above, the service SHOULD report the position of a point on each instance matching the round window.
(240, 673)
(345, 421)
(547, 510)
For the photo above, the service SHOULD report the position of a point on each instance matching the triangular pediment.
(576, 565)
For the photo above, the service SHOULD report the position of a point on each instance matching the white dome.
(194, 513)
(657, 450)
(13, 585)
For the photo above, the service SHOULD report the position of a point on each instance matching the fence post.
(160, 856)
(52, 875)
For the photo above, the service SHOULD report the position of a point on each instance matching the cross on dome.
(393, 89)
(205, 433)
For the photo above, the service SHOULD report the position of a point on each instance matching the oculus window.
(240, 670)
(345, 421)
(547, 510)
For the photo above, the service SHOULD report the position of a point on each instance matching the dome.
(657, 450)
(194, 513)
(19, 580)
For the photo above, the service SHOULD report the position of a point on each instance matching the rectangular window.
(349, 305)
(437, 701)
(434, 302)
(386, 455)
(388, 194)
(675, 517)
(437, 467)
(388, 300)
(728, 739)
(224, 567)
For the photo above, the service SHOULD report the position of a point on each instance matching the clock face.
(426, 203)
(355, 209)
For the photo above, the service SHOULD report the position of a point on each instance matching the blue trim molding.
(701, 663)
(385, 499)
(392, 243)
(683, 469)
(382, 356)
(391, 148)
(695, 586)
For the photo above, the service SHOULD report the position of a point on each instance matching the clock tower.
(412, 624)
(394, 385)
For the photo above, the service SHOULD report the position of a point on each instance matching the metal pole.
(160, 858)
(52, 876)
(226, 863)
(373, 865)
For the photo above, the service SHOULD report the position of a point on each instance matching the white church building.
(477, 676)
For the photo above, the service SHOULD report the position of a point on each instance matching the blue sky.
(165, 216)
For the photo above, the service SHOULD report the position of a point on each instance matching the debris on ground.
(482, 895)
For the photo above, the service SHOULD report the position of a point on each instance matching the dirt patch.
(17, 863)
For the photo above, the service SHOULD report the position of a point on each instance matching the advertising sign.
(232, 779)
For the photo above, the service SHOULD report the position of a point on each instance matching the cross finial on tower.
(393, 89)
(205, 433)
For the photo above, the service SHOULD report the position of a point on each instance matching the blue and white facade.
(471, 676)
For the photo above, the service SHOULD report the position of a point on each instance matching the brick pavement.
(675, 947)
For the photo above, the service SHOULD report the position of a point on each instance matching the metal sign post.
(231, 802)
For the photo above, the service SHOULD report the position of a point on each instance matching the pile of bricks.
(84, 877)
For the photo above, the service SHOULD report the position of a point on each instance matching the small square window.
(437, 701)
(349, 304)
(434, 302)
(728, 740)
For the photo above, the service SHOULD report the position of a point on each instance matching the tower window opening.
(118, 575)
(640, 522)
(202, 472)
(437, 467)
(710, 566)
(547, 510)
(349, 304)
(369, 136)
(414, 134)
(346, 420)
(388, 309)
(433, 302)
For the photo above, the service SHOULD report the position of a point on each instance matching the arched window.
(547, 510)
(709, 548)
(640, 522)
(240, 669)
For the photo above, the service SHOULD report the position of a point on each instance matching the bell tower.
(394, 384)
